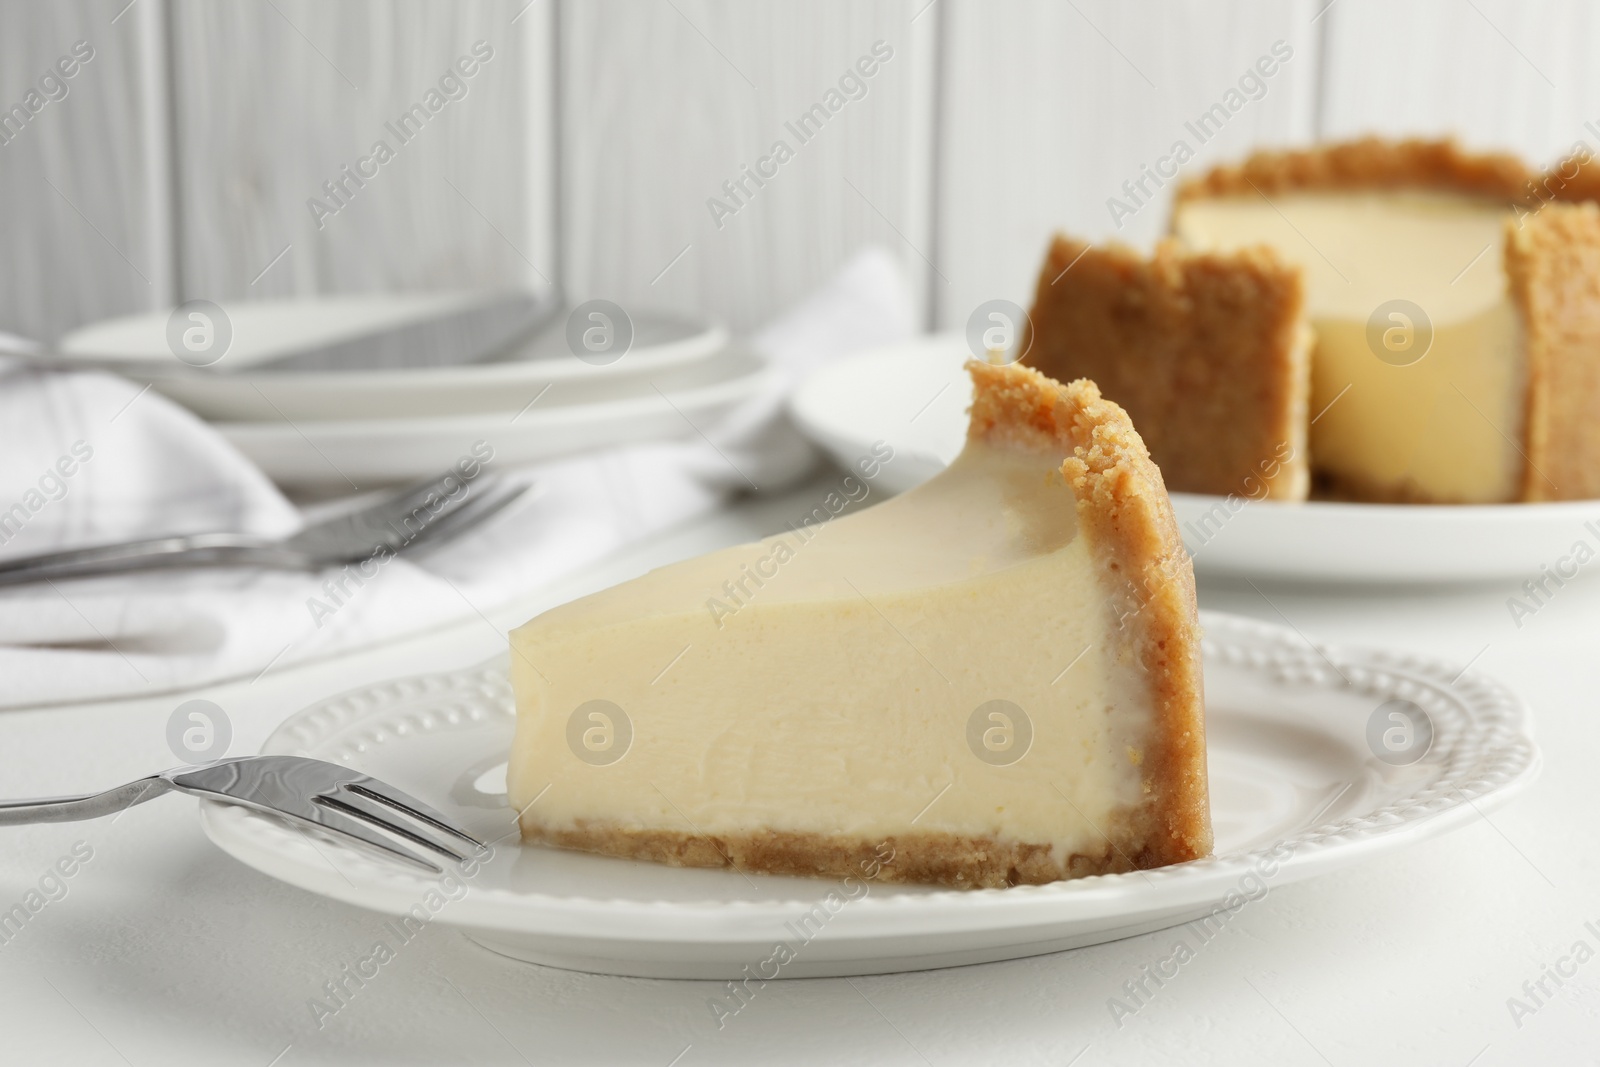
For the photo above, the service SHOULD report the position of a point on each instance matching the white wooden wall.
(180, 162)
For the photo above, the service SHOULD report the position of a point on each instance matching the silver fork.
(309, 793)
(425, 513)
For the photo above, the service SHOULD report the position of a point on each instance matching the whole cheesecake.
(1456, 310)
(989, 680)
(1401, 321)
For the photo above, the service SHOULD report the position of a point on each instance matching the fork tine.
(406, 804)
(390, 521)
(335, 798)
(468, 513)
(359, 807)
(412, 497)
(343, 825)
(398, 505)
(406, 504)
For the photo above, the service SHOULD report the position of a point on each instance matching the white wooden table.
(162, 950)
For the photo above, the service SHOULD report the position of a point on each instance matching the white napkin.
(91, 458)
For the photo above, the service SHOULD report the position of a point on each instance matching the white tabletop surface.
(165, 951)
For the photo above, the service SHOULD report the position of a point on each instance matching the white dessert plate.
(915, 396)
(661, 342)
(1296, 792)
(570, 417)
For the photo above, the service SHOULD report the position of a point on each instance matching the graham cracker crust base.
(1339, 488)
(916, 857)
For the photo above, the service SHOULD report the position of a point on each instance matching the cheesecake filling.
(946, 662)
(1398, 414)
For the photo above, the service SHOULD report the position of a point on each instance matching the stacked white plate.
(311, 429)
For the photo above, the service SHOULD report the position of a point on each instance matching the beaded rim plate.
(1303, 781)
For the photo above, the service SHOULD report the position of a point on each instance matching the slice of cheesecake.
(992, 679)
(1455, 315)
(1208, 353)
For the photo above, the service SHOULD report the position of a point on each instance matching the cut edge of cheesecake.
(1123, 510)
(1161, 335)
(1368, 163)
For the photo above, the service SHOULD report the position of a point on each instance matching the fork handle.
(214, 549)
(85, 806)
